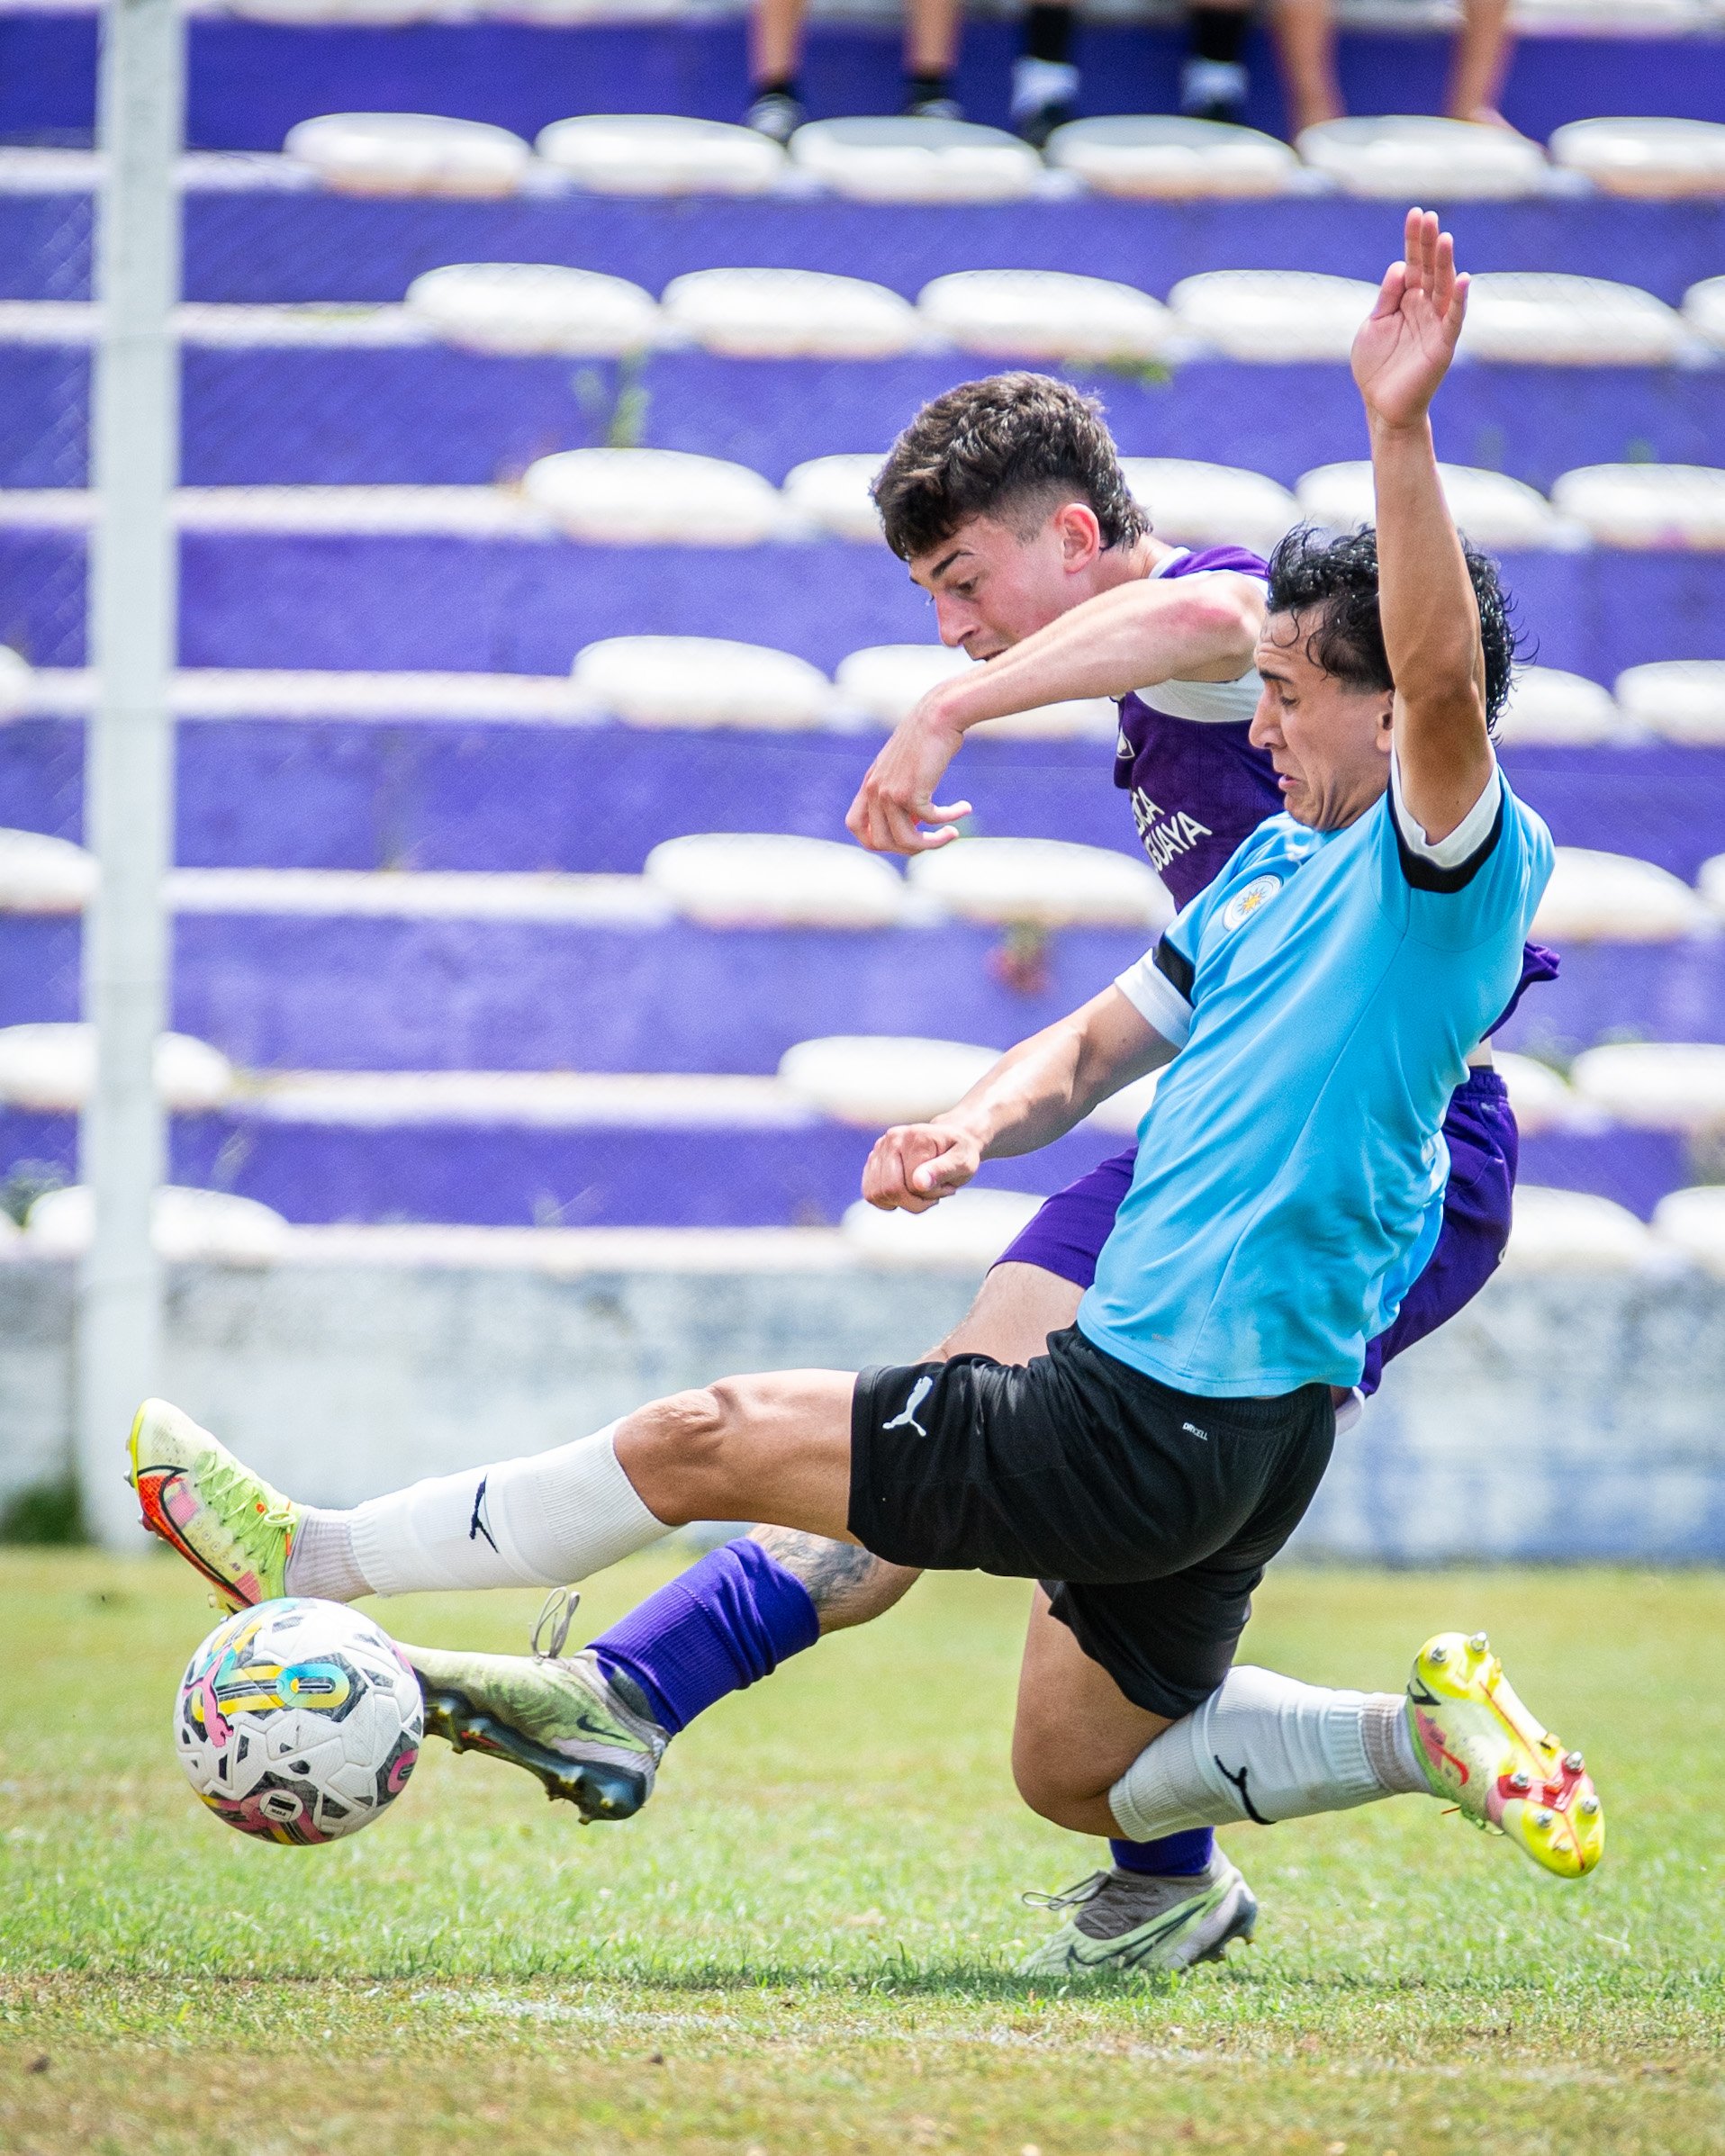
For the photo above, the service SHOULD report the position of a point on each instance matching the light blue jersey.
(1325, 992)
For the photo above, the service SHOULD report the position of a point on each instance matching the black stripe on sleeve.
(1425, 875)
(1174, 966)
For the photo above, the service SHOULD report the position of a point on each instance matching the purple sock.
(1170, 1856)
(733, 1616)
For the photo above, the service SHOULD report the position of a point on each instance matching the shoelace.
(1070, 1898)
(558, 1613)
(219, 1486)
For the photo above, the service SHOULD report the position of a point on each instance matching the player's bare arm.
(1430, 615)
(1035, 1094)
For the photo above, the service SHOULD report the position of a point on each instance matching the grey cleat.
(1134, 1920)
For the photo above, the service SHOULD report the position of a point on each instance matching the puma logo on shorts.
(919, 1392)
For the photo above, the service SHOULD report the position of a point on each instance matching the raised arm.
(1152, 630)
(1034, 1095)
(1431, 620)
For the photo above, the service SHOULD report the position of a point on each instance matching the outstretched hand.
(1404, 346)
(896, 800)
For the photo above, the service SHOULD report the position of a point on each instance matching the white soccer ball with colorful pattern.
(298, 1722)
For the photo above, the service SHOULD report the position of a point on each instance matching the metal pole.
(129, 773)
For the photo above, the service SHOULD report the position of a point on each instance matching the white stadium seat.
(1274, 315)
(1166, 156)
(52, 1068)
(653, 498)
(1692, 1223)
(768, 879)
(789, 314)
(1197, 504)
(1494, 510)
(1657, 156)
(885, 679)
(1125, 1110)
(186, 1226)
(965, 1233)
(1541, 318)
(43, 875)
(1078, 718)
(1703, 309)
(1414, 158)
(1657, 1084)
(1540, 1098)
(1547, 706)
(1573, 1231)
(1045, 314)
(1595, 898)
(873, 1080)
(1047, 882)
(379, 14)
(832, 493)
(661, 153)
(410, 153)
(701, 681)
(1680, 699)
(17, 677)
(908, 160)
(530, 307)
(1647, 505)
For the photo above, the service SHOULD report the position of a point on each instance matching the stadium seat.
(1414, 158)
(1710, 883)
(965, 1233)
(17, 677)
(1703, 309)
(1680, 699)
(1077, 718)
(1573, 1231)
(661, 153)
(832, 493)
(1658, 157)
(1657, 1084)
(374, 14)
(701, 681)
(1276, 315)
(1646, 505)
(410, 153)
(1692, 1223)
(1045, 314)
(187, 1227)
(1046, 882)
(758, 879)
(1494, 510)
(52, 1068)
(653, 498)
(888, 679)
(1614, 899)
(533, 307)
(1197, 504)
(43, 875)
(789, 314)
(1540, 1098)
(1539, 317)
(909, 160)
(873, 1080)
(1125, 1110)
(1161, 156)
(1547, 706)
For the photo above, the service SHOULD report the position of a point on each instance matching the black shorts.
(1148, 1514)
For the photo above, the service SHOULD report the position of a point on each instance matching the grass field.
(805, 1943)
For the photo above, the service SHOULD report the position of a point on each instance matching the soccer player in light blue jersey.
(1314, 1008)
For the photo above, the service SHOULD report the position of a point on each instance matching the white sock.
(543, 1521)
(1266, 1747)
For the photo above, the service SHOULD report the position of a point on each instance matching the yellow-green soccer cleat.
(1128, 1921)
(1480, 1746)
(588, 1737)
(223, 1519)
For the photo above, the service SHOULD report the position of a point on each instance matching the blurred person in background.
(1306, 33)
(775, 55)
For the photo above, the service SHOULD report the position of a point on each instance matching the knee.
(1052, 1783)
(681, 1443)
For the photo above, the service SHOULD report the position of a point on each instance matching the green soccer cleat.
(1480, 1747)
(1135, 1921)
(224, 1521)
(589, 1738)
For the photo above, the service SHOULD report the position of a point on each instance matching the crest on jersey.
(1246, 901)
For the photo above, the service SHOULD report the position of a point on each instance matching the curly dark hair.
(1335, 577)
(1009, 446)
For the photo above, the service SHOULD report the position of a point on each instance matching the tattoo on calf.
(846, 1584)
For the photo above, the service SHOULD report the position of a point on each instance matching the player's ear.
(1386, 735)
(1079, 534)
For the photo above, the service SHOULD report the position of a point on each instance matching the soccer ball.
(298, 1722)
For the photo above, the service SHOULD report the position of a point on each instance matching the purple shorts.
(1067, 1236)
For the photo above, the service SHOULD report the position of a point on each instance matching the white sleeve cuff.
(1157, 1001)
(1468, 836)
